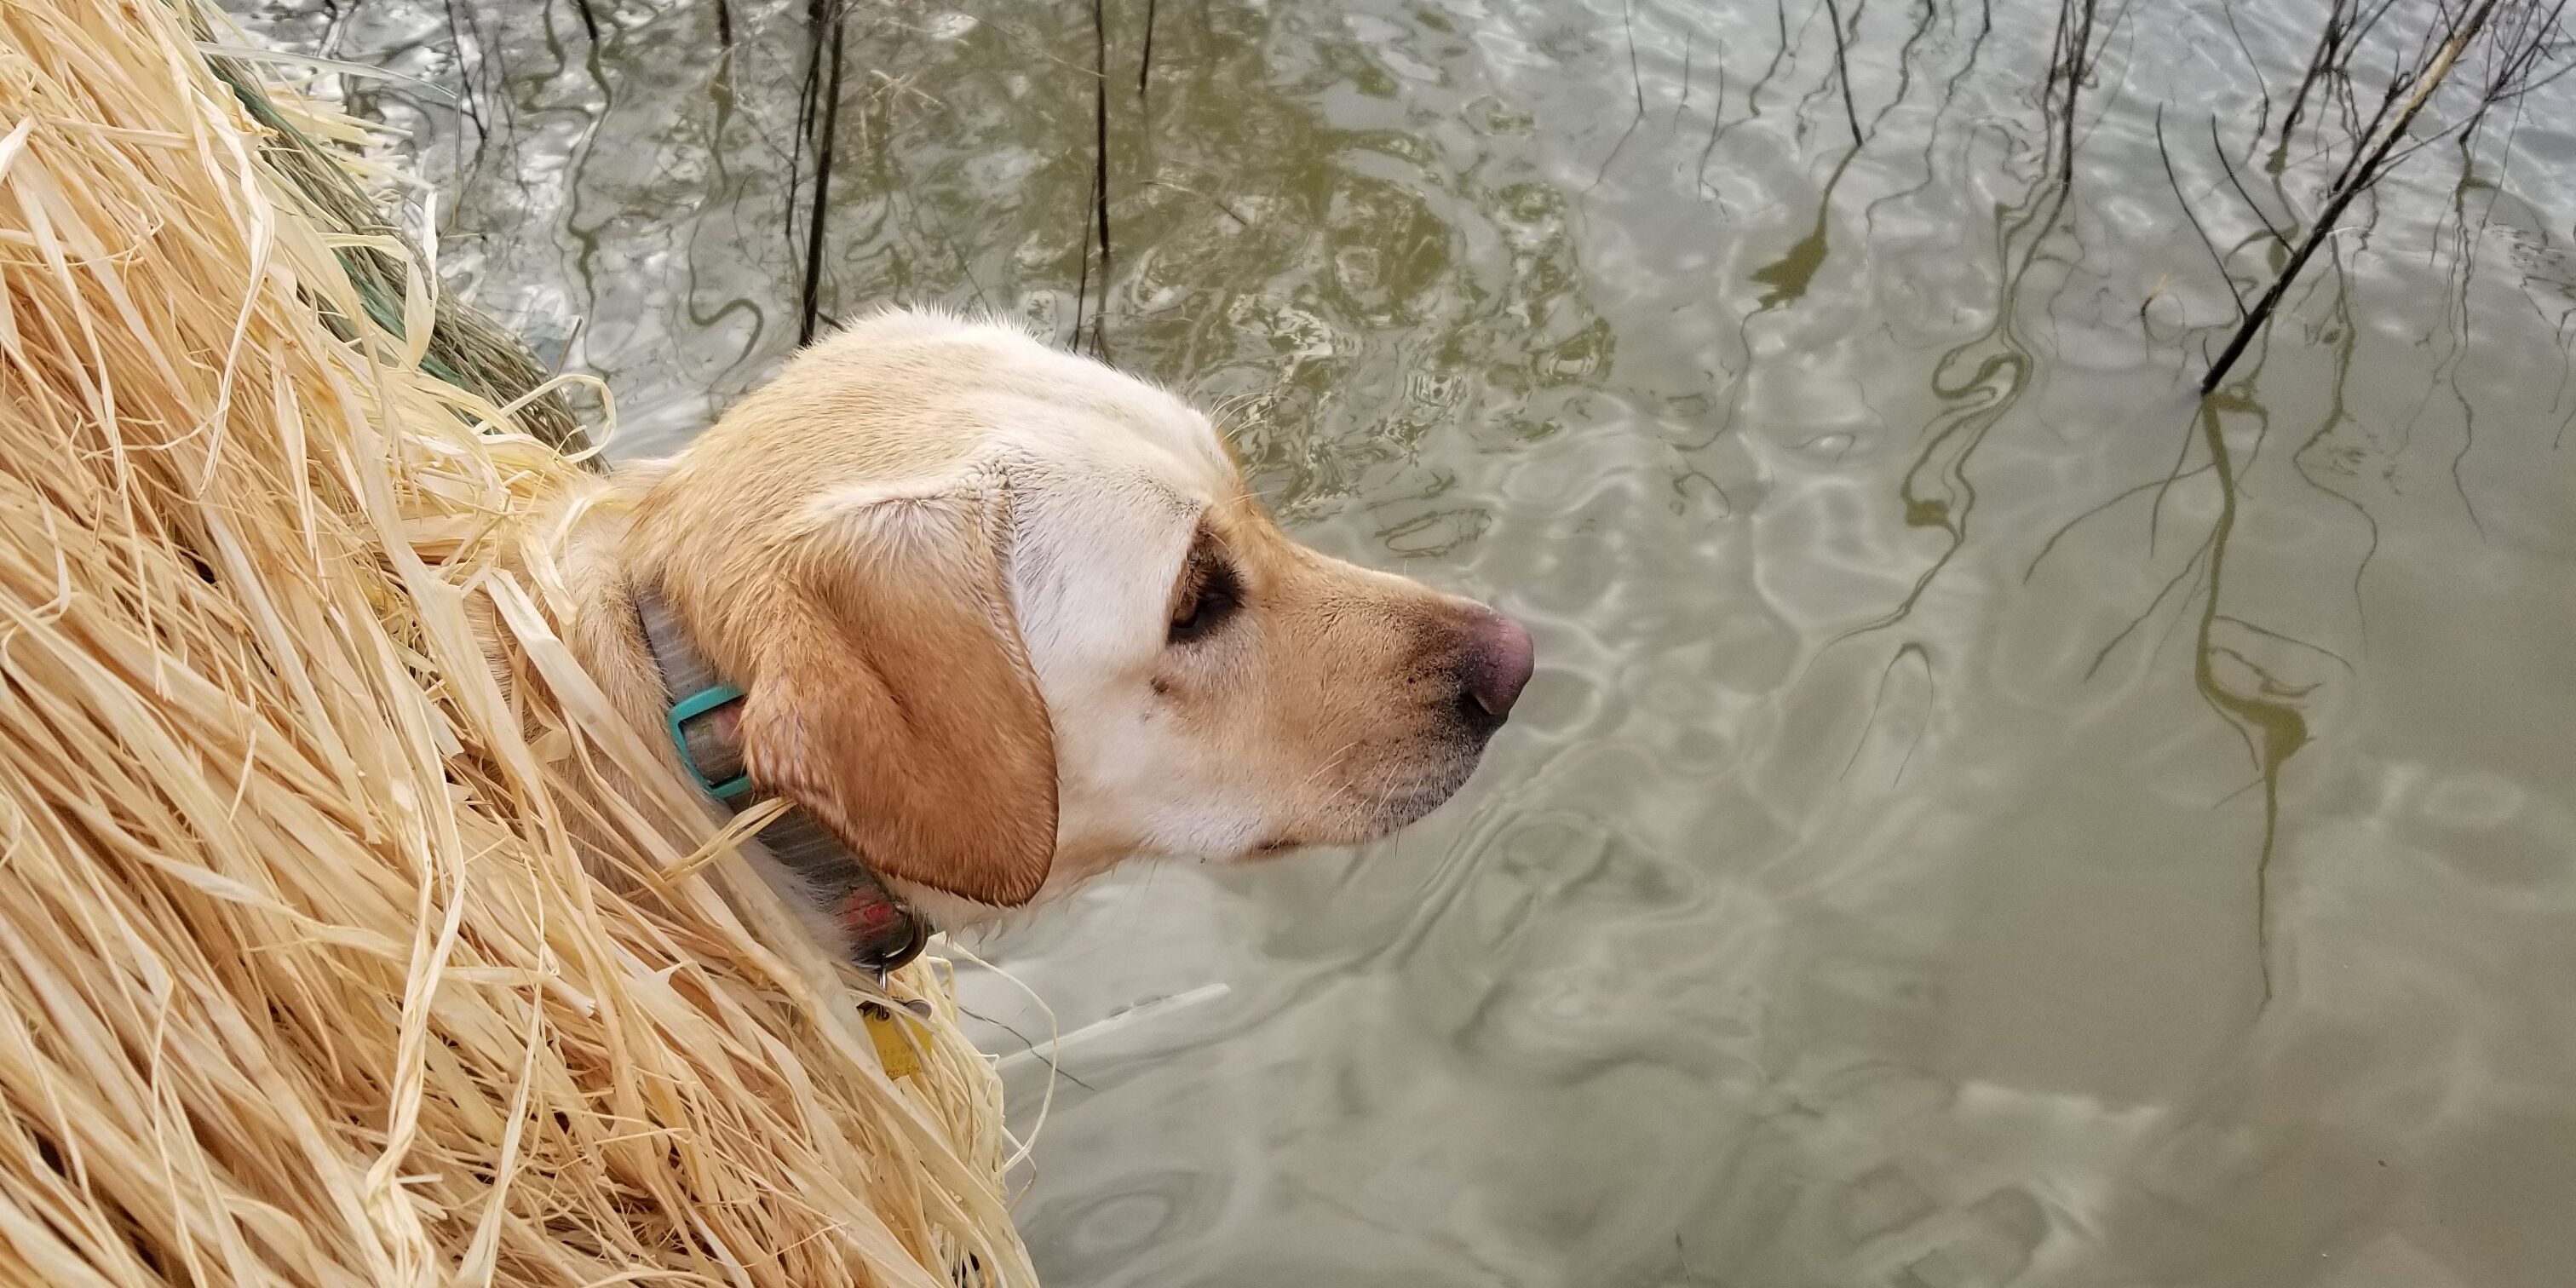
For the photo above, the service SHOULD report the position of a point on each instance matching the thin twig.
(465, 77)
(2263, 115)
(831, 106)
(1842, 70)
(2329, 42)
(2078, 57)
(1145, 60)
(2219, 147)
(1099, 183)
(2357, 181)
(2220, 261)
(1636, 78)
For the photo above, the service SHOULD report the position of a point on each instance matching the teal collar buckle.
(690, 708)
(884, 931)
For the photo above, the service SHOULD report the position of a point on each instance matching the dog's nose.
(1498, 666)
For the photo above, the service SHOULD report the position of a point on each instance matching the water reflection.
(1986, 817)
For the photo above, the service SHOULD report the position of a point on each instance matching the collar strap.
(702, 717)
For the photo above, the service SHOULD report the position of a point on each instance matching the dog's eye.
(1208, 594)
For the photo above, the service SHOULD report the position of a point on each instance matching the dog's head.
(1006, 616)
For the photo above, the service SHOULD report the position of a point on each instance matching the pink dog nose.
(1499, 664)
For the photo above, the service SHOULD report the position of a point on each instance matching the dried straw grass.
(301, 979)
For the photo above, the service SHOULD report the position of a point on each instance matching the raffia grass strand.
(301, 980)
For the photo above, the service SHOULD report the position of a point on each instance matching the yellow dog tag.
(895, 1045)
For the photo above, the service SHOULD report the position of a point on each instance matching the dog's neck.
(702, 723)
(604, 543)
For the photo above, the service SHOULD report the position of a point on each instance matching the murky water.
(1963, 832)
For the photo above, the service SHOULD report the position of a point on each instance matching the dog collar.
(701, 717)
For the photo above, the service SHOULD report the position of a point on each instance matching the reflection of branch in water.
(2192, 568)
(1716, 125)
(2347, 333)
(2000, 378)
(1779, 54)
(1636, 78)
(1940, 116)
(2278, 638)
(2273, 729)
(1922, 657)
(1682, 104)
(2266, 716)
(2344, 23)
(1789, 275)
(1905, 62)
(2157, 485)
(2071, 64)
(2002, 374)
(2464, 267)
(1636, 75)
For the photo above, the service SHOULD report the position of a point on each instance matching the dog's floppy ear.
(895, 701)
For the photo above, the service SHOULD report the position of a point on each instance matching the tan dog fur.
(945, 562)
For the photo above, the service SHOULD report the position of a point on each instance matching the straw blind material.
(302, 978)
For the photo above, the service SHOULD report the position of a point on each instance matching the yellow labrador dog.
(994, 617)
